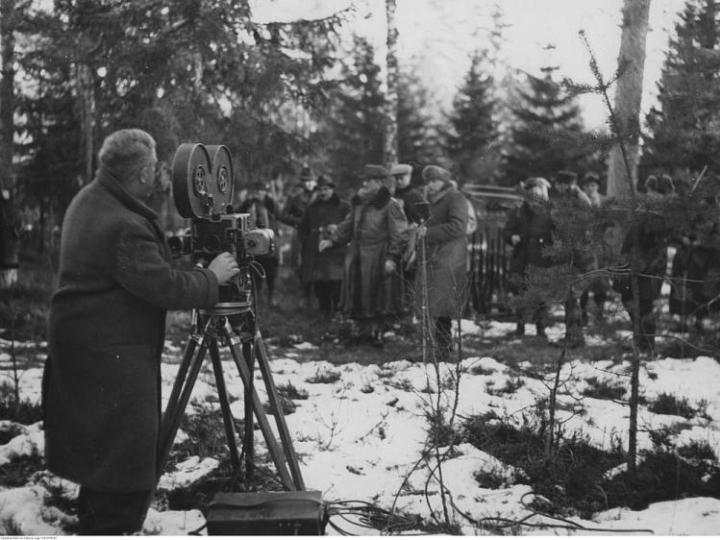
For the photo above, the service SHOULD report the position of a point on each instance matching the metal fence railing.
(488, 254)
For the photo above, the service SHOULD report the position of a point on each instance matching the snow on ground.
(360, 435)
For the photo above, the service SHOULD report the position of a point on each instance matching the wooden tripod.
(245, 348)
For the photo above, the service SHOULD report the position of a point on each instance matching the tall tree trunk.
(390, 148)
(86, 105)
(628, 96)
(7, 93)
(9, 216)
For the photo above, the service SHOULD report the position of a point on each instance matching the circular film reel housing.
(202, 179)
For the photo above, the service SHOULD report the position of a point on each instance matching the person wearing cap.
(444, 239)
(411, 199)
(376, 226)
(408, 195)
(529, 231)
(324, 271)
(264, 211)
(590, 185)
(292, 215)
(566, 187)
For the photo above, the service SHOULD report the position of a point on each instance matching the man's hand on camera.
(224, 266)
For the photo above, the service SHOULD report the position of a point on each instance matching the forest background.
(284, 94)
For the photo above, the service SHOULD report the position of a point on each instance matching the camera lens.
(211, 244)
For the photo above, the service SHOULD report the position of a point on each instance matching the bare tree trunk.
(390, 149)
(628, 96)
(86, 106)
(7, 93)
(9, 216)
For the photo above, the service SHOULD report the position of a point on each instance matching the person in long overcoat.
(291, 215)
(324, 270)
(444, 237)
(529, 232)
(376, 230)
(101, 385)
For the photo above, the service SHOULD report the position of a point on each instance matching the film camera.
(202, 178)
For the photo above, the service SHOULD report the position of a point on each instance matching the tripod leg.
(274, 399)
(224, 405)
(249, 440)
(275, 450)
(179, 398)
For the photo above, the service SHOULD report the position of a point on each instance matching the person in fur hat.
(376, 230)
(444, 238)
(323, 270)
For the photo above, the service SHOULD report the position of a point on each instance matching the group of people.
(561, 213)
(360, 258)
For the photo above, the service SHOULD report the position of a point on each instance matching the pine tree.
(684, 130)
(473, 127)
(354, 128)
(548, 135)
(418, 138)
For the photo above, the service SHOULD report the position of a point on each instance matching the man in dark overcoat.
(292, 215)
(101, 386)
(376, 227)
(324, 270)
(408, 195)
(445, 255)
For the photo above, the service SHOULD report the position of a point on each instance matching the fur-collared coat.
(101, 387)
(446, 256)
(377, 232)
(317, 224)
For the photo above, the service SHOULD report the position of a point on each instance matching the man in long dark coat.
(445, 240)
(101, 387)
(324, 270)
(291, 215)
(376, 226)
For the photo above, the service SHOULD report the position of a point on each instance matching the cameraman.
(101, 386)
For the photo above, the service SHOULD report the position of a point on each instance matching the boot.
(520, 329)
(540, 329)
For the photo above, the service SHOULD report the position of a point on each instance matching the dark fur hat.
(306, 174)
(566, 177)
(324, 180)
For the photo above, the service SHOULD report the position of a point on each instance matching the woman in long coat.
(376, 226)
(445, 240)
(324, 270)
